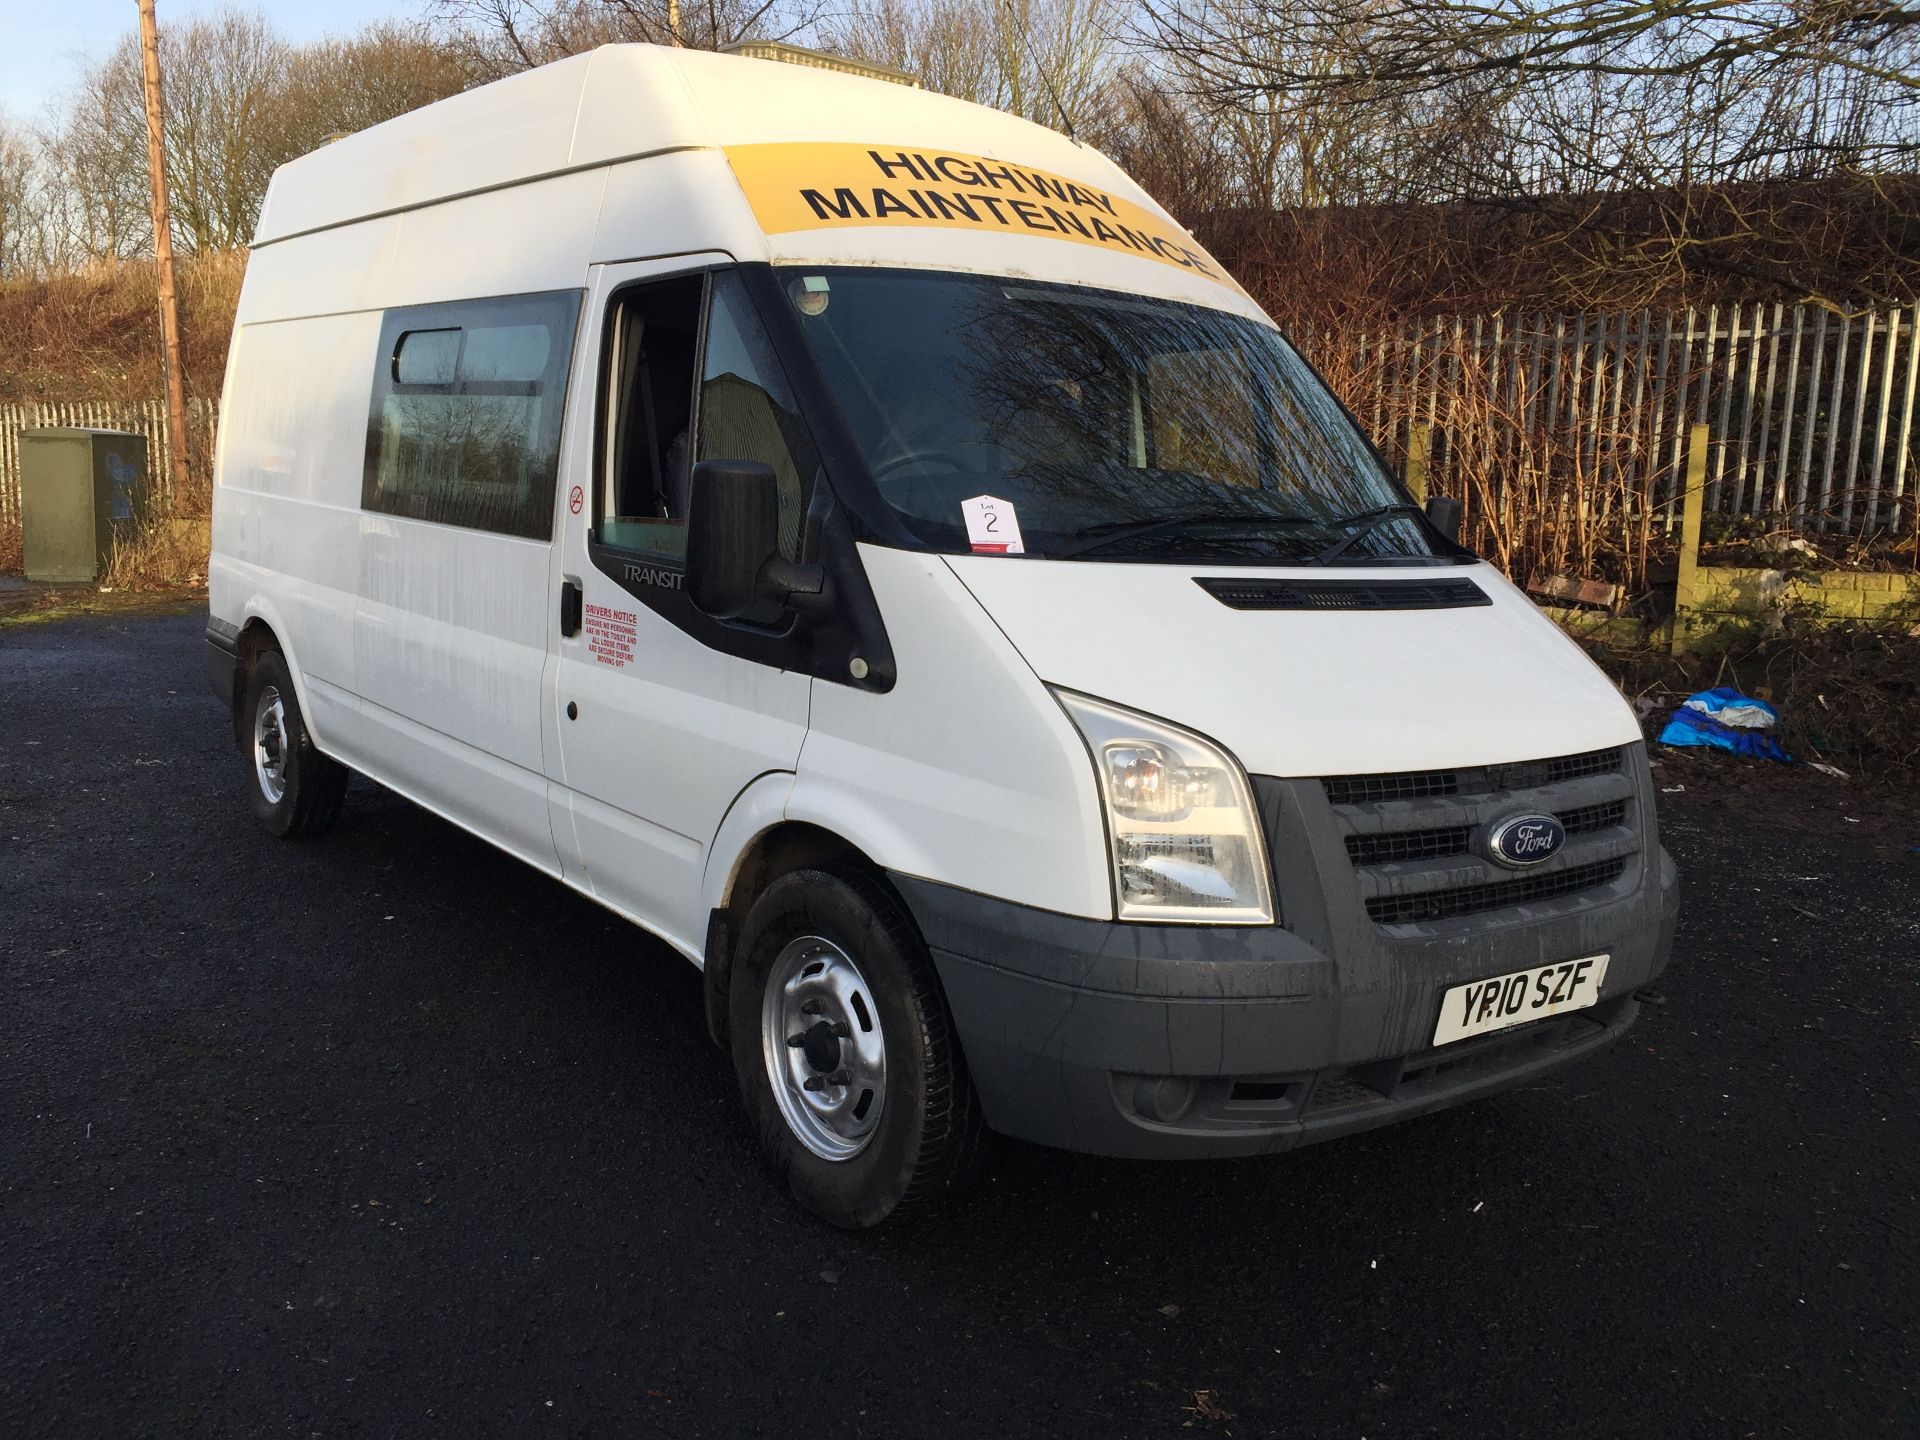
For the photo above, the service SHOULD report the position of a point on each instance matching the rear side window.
(467, 403)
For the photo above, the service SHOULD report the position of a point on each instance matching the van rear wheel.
(296, 790)
(845, 1053)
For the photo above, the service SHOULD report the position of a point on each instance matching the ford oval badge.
(1526, 840)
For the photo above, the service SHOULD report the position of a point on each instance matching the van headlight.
(1180, 818)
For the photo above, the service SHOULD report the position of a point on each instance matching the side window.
(746, 409)
(653, 342)
(467, 404)
(660, 425)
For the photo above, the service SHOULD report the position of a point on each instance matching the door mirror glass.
(733, 530)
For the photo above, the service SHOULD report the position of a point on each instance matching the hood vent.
(1344, 594)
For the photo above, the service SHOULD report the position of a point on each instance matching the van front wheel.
(845, 1053)
(296, 790)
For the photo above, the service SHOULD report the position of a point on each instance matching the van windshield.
(1094, 424)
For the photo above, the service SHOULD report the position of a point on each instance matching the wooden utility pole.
(163, 251)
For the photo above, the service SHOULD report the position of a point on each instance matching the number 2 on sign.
(992, 526)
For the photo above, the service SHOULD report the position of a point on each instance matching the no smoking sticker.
(576, 498)
(992, 526)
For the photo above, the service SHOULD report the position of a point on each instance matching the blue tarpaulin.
(1727, 720)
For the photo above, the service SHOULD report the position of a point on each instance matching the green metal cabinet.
(79, 490)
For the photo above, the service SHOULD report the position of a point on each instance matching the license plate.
(1501, 1001)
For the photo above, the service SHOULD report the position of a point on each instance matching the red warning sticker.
(610, 635)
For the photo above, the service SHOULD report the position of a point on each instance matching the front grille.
(1344, 594)
(1339, 1090)
(1482, 780)
(1409, 845)
(1585, 819)
(1445, 841)
(1573, 767)
(1372, 789)
(1472, 899)
(1413, 837)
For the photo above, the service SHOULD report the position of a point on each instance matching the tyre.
(846, 1056)
(296, 790)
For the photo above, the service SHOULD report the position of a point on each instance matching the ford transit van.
(863, 540)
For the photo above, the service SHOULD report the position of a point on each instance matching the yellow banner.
(829, 186)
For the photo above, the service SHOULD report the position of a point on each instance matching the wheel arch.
(262, 629)
(777, 849)
(257, 637)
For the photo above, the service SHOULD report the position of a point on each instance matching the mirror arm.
(801, 587)
(1444, 514)
(781, 577)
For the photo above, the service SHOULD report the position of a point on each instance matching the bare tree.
(240, 102)
(948, 45)
(341, 85)
(95, 153)
(20, 222)
(1693, 90)
(222, 73)
(492, 38)
(1057, 62)
(1618, 150)
(221, 149)
(1156, 140)
(1282, 153)
(1422, 44)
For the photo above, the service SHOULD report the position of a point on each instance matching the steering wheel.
(932, 455)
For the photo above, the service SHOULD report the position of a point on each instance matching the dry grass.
(94, 334)
(169, 555)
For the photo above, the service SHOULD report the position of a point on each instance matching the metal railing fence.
(1811, 412)
(145, 417)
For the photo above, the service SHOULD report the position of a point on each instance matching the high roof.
(623, 102)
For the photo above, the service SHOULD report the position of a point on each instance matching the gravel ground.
(385, 1135)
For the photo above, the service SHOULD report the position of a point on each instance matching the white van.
(860, 538)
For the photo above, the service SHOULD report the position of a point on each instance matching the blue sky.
(43, 43)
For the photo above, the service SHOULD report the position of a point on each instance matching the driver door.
(655, 730)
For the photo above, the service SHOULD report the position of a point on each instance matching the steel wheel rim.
(270, 745)
(826, 1055)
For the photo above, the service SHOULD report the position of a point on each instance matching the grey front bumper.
(1196, 1041)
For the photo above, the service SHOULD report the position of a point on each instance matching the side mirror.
(733, 541)
(1443, 513)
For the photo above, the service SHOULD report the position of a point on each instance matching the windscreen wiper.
(1096, 537)
(1368, 521)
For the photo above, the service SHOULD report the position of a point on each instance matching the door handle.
(572, 601)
